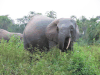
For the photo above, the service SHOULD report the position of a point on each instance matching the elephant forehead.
(65, 25)
(67, 20)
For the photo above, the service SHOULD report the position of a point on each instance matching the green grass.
(14, 60)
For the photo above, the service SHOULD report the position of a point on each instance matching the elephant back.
(36, 26)
(34, 32)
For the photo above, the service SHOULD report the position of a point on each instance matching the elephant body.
(42, 31)
(34, 32)
(6, 35)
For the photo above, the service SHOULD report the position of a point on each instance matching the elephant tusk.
(68, 43)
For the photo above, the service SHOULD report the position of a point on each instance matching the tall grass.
(14, 60)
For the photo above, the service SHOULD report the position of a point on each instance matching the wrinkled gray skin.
(47, 32)
(6, 35)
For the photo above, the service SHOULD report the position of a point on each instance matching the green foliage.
(24, 20)
(51, 14)
(14, 60)
(82, 62)
(9, 25)
(12, 56)
(73, 17)
(91, 30)
(16, 28)
(5, 22)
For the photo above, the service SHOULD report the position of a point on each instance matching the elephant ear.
(52, 31)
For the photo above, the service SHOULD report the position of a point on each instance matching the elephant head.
(62, 31)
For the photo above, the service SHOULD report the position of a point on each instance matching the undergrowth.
(14, 60)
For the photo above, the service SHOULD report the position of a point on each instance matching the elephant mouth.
(67, 43)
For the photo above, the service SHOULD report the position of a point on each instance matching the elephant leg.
(28, 47)
(52, 44)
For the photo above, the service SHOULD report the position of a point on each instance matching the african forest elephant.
(6, 35)
(42, 31)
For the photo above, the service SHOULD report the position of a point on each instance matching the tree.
(5, 22)
(51, 14)
(98, 17)
(93, 19)
(24, 20)
(73, 17)
(83, 19)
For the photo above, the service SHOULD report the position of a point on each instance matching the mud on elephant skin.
(6, 35)
(44, 31)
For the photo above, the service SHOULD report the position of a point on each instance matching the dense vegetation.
(83, 60)
(14, 60)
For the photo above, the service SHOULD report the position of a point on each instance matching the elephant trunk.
(64, 42)
(61, 42)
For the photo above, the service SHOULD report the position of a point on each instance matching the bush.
(91, 30)
(14, 60)
(82, 62)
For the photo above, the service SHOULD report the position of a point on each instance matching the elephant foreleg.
(51, 44)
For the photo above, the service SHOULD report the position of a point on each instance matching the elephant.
(6, 35)
(42, 31)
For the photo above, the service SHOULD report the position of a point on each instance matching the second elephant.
(6, 35)
(43, 31)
